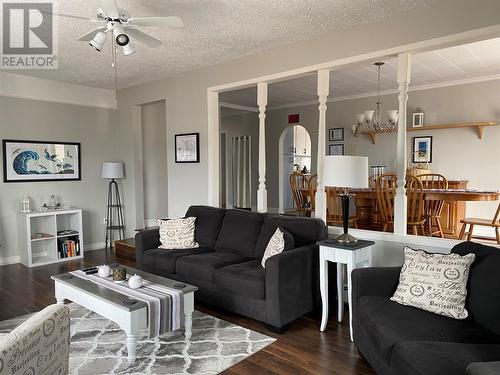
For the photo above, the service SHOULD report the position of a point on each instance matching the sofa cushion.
(208, 222)
(203, 266)
(239, 232)
(385, 323)
(245, 279)
(483, 300)
(304, 231)
(164, 260)
(439, 358)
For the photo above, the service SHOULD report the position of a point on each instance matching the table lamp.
(113, 170)
(347, 172)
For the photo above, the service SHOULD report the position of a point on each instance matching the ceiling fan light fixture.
(128, 49)
(122, 39)
(98, 41)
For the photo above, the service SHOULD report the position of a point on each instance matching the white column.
(262, 103)
(400, 202)
(323, 91)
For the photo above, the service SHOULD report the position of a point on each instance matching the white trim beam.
(400, 201)
(240, 107)
(323, 92)
(262, 103)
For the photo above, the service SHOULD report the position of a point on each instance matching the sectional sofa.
(227, 266)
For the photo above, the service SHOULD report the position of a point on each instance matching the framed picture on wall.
(32, 161)
(187, 148)
(337, 149)
(336, 135)
(422, 149)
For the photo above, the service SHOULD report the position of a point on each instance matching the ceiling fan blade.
(91, 34)
(172, 21)
(109, 8)
(72, 16)
(143, 37)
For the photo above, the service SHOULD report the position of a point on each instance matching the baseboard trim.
(93, 246)
(9, 260)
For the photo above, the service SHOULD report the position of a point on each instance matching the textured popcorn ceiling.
(215, 31)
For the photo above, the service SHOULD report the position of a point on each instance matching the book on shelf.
(68, 247)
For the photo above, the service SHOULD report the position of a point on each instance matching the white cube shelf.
(50, 236)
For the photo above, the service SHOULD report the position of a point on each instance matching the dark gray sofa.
(403, 340)
(226, 267)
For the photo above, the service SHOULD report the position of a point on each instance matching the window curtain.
(242, 171)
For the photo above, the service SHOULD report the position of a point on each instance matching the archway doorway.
(294, 155)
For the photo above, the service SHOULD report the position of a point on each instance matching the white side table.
(353, 256)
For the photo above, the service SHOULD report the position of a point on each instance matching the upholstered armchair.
(39, 346)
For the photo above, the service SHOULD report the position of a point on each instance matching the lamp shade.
(345, 171)
(112, 169)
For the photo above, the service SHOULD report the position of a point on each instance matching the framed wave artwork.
(30, 161)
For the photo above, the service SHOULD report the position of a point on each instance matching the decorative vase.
(135, 282)
(104, 271)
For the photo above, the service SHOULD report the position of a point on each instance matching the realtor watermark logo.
(29, 35)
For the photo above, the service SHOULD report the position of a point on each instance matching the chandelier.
(373, 118)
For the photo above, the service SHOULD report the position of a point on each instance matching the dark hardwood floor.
(302, 349)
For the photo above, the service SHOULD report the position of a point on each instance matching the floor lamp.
(113, 170)
(347, 172)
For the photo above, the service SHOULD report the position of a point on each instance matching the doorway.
(295, 156)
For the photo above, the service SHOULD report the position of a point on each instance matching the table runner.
(165, 305)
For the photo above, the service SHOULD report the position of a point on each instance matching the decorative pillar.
(262, 103)
(400, 201)
(323, 91)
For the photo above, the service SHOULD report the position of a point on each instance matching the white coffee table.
(131, 317)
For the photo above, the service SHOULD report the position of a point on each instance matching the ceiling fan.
(122, 27)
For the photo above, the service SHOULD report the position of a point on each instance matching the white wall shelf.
(35, 251)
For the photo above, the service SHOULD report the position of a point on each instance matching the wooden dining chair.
(299, 187)
(433, 208)
(312, 185)
(415, 196)
(334, 215)
(473, 221)
(385, 187)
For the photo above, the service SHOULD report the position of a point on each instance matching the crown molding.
(26, 87)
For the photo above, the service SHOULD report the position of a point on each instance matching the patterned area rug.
(98, 346)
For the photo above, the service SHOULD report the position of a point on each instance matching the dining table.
(454, 209)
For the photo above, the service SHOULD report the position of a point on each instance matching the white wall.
(39, 120)
(154, 157)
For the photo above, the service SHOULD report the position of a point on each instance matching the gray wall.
(36, 120)
(154, 157)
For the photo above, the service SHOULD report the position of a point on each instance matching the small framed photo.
(337, 149)
(422, 149)
(33, 161)
(336, 135)
(187, 148)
